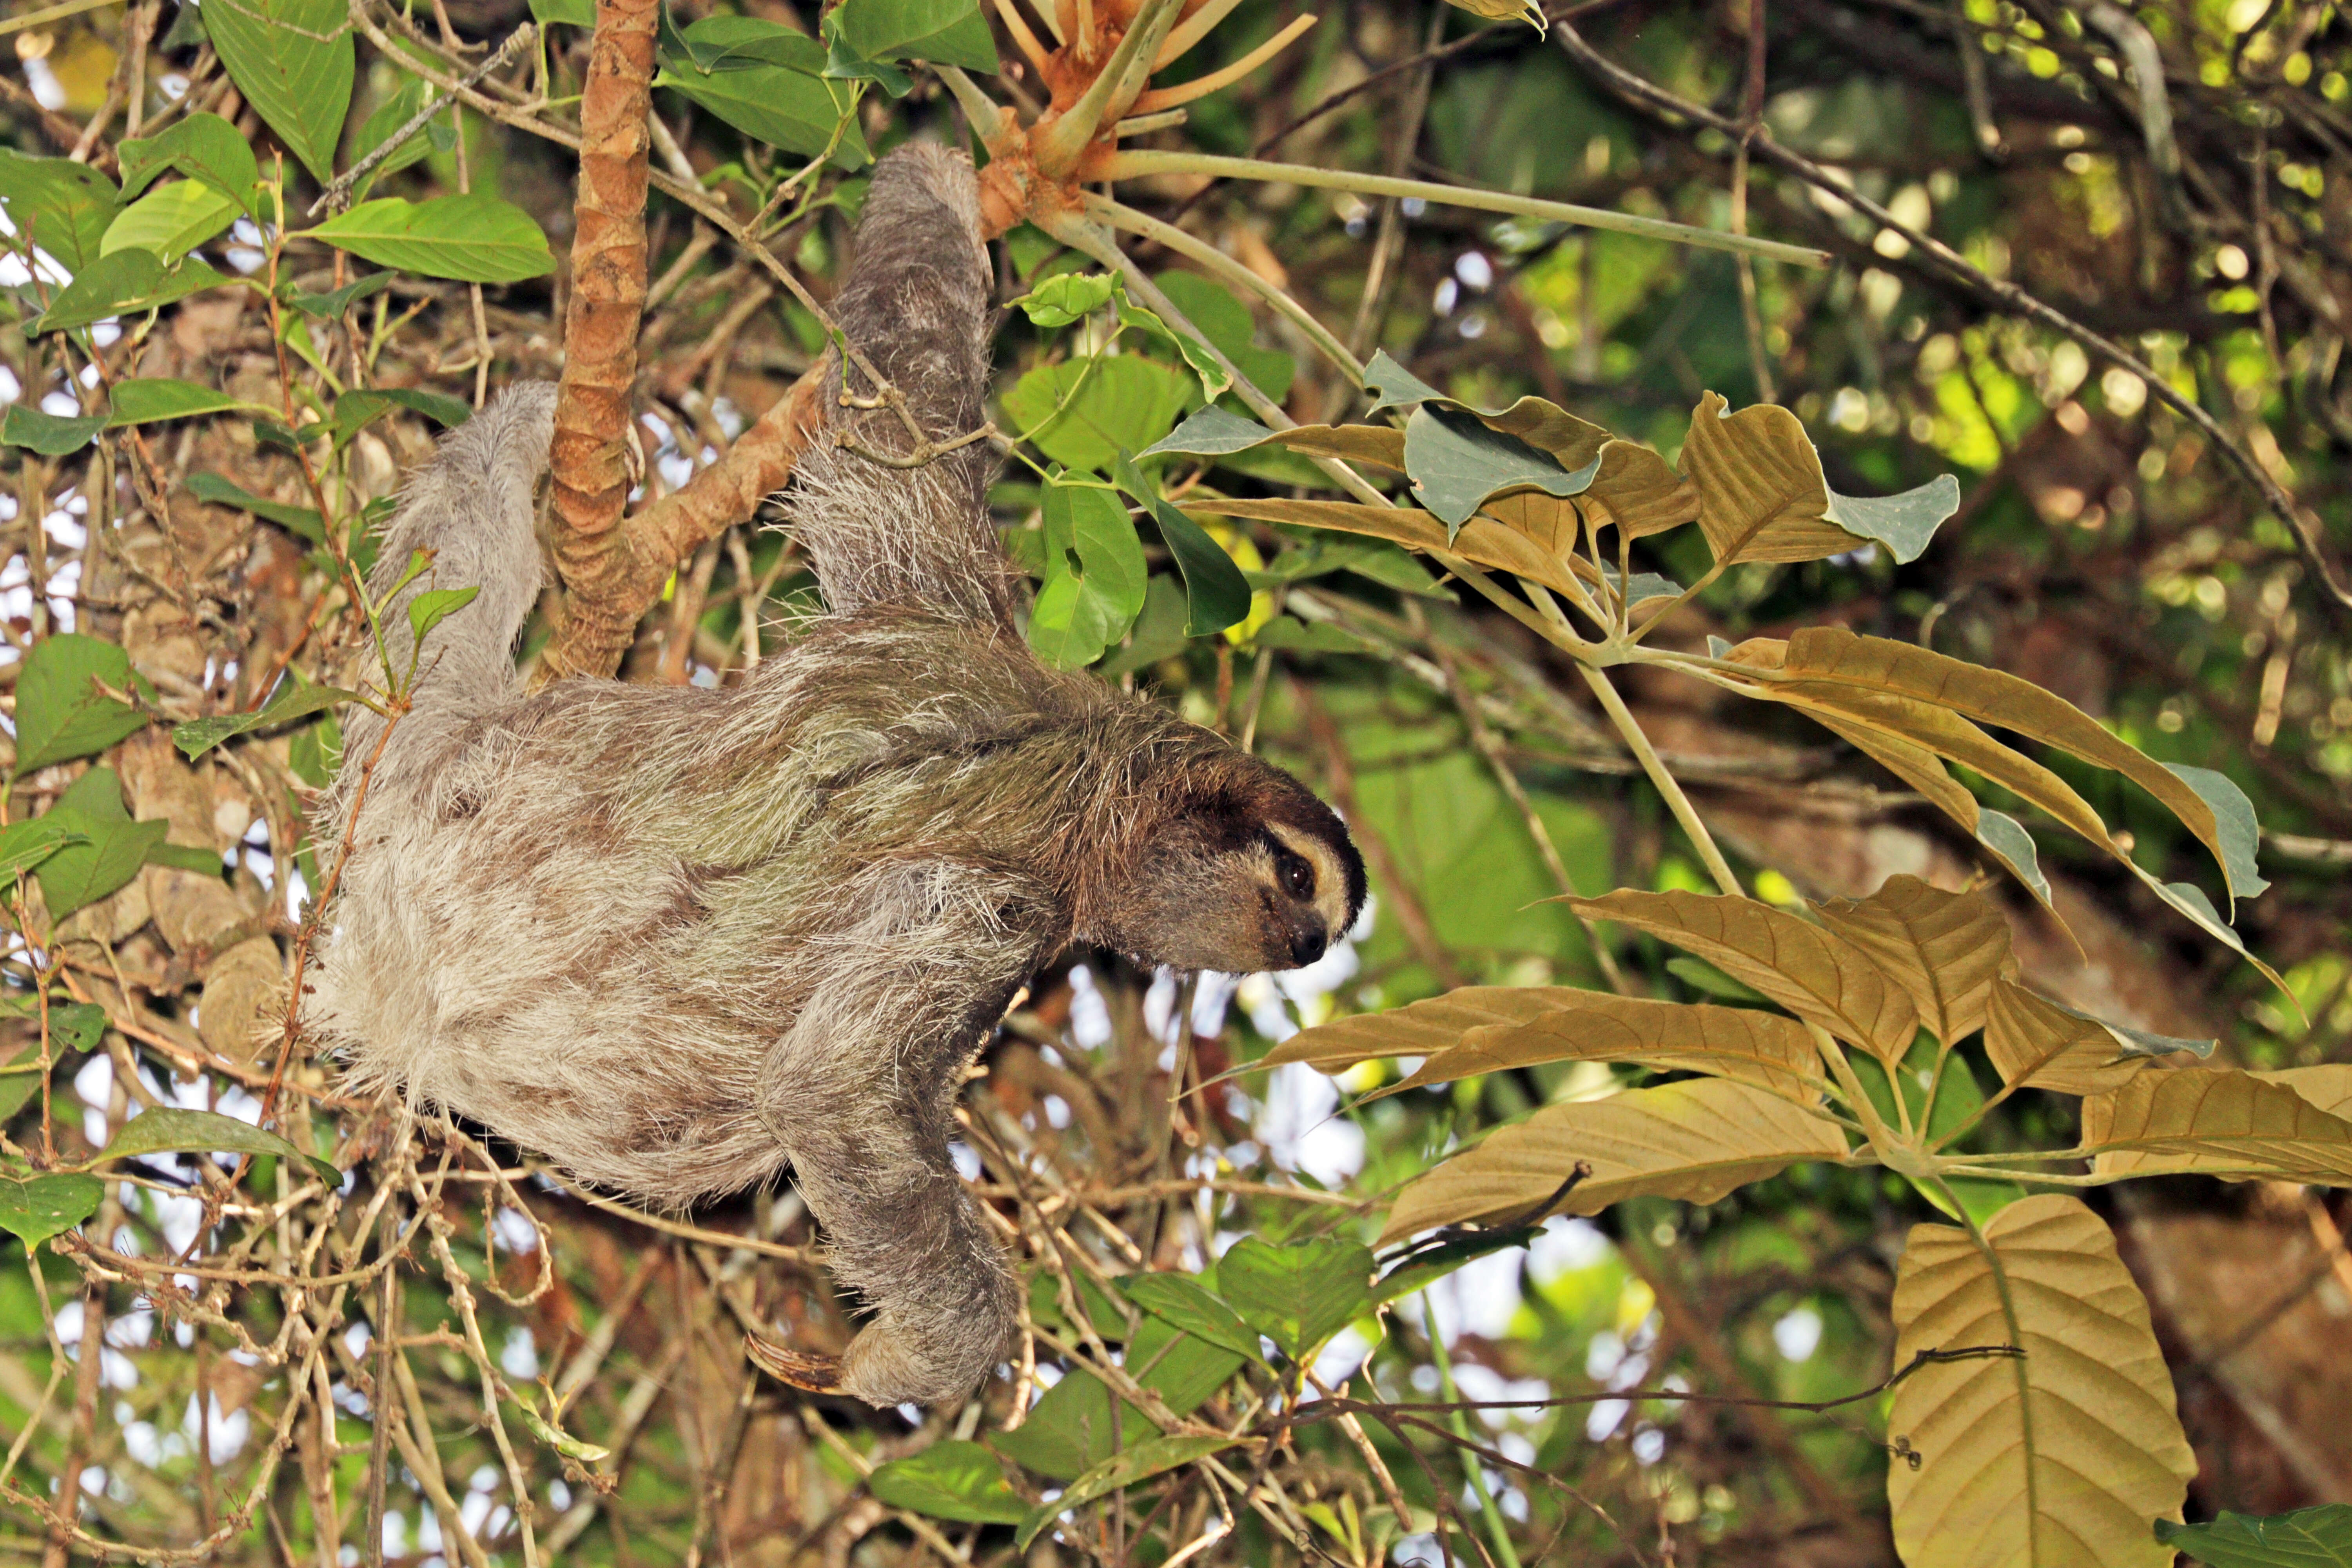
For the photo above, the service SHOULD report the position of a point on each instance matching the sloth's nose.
(1307, 940)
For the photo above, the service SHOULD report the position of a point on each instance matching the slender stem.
(1226, 267)
(1191, 30)
(1676, 801)
(983, 112)
(1497, 1529)
(1202, 86)
(1128, 165)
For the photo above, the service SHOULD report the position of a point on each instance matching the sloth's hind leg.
(861, 1092)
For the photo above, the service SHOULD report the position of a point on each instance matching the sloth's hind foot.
(816, 1374)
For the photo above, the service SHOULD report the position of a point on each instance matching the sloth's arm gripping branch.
(862, 1089)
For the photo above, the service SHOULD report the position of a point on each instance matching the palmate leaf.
(1694, 1139)
(1744, 1043)
(2042, 1045)
(1945, 948)
(2057, 1458)
(1636, 492)
(1815, 974)
(2224, 1122)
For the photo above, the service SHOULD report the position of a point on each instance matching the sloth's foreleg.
(862, 1090)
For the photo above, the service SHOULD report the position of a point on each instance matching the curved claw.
(816, 1374)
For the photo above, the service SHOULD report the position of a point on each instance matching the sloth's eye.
(1298, 875)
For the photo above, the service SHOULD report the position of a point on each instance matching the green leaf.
(124, 284)
(1904, 522)
(1289, 633)
(1095, 574)
(74, 1026)
(51, 434)
(556, 1437)
(293, 61)
(147, 399)
(1082, 412)
(766, 81)
(35, 1207)
(948, 32)
(1070, 1430)
(301, 520)
(398, 111)
(433, 607)
(1297, 1295)
(1066, 297)
(1426, 1268)
(957, 1480)
(1210, 433)
(2308, 1538)
(296, 700)
(478, 238)
(205, 148)
(1146, 1459)
(355, 410)
(24, 845)
(165, 1129)
(843, 63)
(186, 857)
(1393, 386)
(80, 874)
(2007, 840)
(62, 206)
(1455, 463)
(571, 12)
(170, 220)
(1217, 593)
(314, 754)
(61, 712)
(1225, 322)
(1183, 1300)
(327, 307)
(2235, 825)
(1159, 630)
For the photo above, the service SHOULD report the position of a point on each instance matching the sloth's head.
(1242, 869)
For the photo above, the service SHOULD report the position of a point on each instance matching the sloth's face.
(1243, 885)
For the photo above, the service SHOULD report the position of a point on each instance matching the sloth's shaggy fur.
(680, 940)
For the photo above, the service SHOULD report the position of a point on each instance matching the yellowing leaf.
(1761, 491)
(1696, 1140)
(1482, 540)
(2220, 1121)
(1837, 665)
(1421, 1029)
(1943, 948)
(2042, 1045)
(1815, 974)
(1744, 1043)
(2058, 1459)
(1637, 492)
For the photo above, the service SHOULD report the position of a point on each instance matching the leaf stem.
(1497, 1529)
(1059, 145)
(1676, 801)
(1128, 165)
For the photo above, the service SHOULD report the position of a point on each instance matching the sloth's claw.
(816, 1374)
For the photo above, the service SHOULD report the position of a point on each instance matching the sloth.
(680, 941)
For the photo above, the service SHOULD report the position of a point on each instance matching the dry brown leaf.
(1379, 446)
(1482, 540)
(2220, 1121)
(2041, 1045)
(1639, 493)
(1761, 490)
(244, 998)
(1696, 1140)
(1815, 974)
(1421, 1029)
(2060, 1457)
(1744, 1043)
(1827, 659)
(1943, 948)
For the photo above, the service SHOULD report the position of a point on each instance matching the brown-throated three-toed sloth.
(678, 940)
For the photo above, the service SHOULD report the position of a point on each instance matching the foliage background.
(2104, 550)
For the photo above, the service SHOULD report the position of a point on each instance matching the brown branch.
(589, 458)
